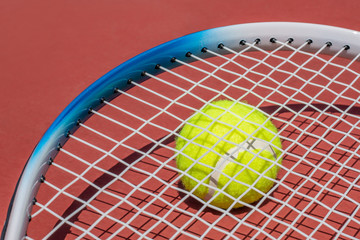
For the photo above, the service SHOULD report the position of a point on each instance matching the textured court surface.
(51, 51)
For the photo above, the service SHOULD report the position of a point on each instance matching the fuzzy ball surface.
(229, 154)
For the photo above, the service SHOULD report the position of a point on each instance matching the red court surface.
(52, 50)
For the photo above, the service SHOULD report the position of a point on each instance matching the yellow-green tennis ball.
(231, 147)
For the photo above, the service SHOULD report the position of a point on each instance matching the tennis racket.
(105, 169)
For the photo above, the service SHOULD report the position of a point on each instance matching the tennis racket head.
(116, 175)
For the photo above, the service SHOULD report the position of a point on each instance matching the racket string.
(143, 210)
(174, 207)
(338, 74)
(121, 200)
(193, 216)
(130, 195)
(308, 104)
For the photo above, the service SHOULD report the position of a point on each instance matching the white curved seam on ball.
(220, 165)
(233, 153)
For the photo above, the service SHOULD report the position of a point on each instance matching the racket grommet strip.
(102, 100)
(78, 122)
(188, 54)
(34, 201)
(346, 47)
(204, 49)
(29, 218)
(309, 41)
(50, 161)
(242, 42)
(290, 40)
(257, 40)
(221, 45)
(173, 59)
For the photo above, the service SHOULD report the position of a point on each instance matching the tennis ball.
(225, 152)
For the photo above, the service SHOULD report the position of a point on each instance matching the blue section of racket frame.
(118, 78)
